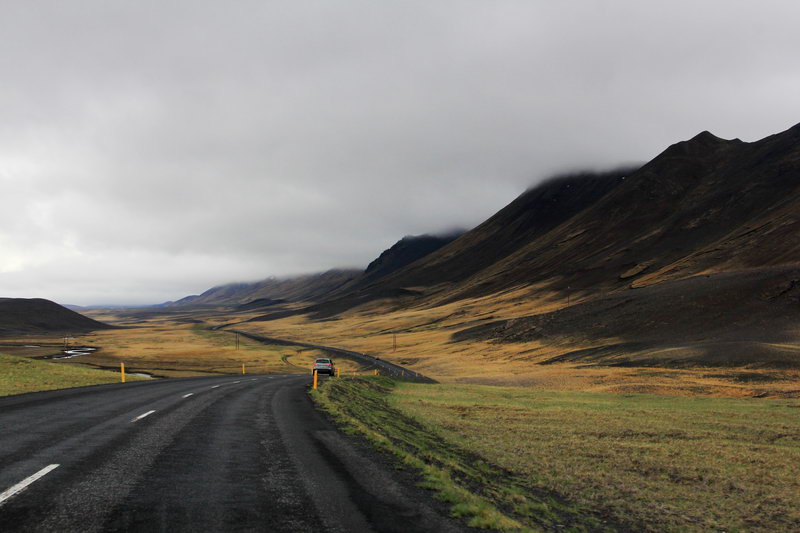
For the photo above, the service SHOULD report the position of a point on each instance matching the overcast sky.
(150, 150)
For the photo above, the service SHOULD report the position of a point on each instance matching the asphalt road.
(385, 367)
(231, 453)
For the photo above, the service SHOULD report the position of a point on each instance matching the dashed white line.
(22, 485)
(148, 413)
(214, 386)
(187, 395)
(254, 379)
(236, 382)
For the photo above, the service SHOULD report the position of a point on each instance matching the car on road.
(324, 365)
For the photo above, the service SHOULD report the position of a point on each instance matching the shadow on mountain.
(730, 319)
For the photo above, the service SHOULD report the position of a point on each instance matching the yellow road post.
(315, 380)
(122, 371)
(243, 369)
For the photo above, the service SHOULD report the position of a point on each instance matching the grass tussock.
(19, 375)
(489, 497)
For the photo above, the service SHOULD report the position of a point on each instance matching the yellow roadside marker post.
(315, 380)
(376, 371)
(338, 372)
(243, 369)
(122, 371)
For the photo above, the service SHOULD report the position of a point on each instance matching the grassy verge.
(22, 374)
(487, 496)
(638, 462)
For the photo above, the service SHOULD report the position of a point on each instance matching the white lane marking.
(237, 381)
(187, 395)
(22, 485)
(148, 413)
(214, 386)
(254, 379)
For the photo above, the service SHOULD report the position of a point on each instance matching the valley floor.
(507, 440)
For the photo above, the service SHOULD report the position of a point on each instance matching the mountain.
(36, 315)
(404, 252)
(316, 287)
(296, 289)
(706, 204)
(695, 259)
(691, 259)
(531, 216)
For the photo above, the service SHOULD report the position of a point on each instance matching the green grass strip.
(487, 496)
(19, 375)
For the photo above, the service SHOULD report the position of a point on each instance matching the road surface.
(228, 453)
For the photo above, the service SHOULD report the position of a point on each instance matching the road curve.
(385, 367)
(227, 453)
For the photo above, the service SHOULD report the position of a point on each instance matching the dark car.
(325, 366)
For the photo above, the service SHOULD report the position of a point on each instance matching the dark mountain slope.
(404, 252)
(744, 318)
(531, 215)
(704, 205)
(36, 315)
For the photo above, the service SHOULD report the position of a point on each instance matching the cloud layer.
(151, 150)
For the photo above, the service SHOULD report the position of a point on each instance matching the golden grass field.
(166, 347)
(424, 345)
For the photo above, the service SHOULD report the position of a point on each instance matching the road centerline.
(148, 413)
(22, 485)
(187, 395)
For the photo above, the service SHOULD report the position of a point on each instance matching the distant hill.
(317, 287)
(36, 315)
(296, 289)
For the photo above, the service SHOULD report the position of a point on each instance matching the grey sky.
(150, 150)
